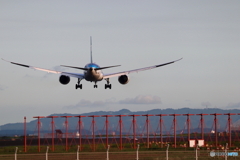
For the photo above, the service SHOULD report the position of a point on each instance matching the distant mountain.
(17, 128)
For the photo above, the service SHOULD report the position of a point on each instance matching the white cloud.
(111, 100)
(59, 68)
(84, 102)
(142, 99)
(55, 68)
(88, 103)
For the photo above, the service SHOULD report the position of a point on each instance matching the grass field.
(143, 155)
(86, 152)
(8, 153)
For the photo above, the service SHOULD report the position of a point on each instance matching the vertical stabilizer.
(91, 48)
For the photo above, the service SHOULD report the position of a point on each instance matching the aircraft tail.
(91, 49)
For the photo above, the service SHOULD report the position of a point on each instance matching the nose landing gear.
(95, 86)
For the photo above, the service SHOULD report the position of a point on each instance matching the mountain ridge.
(127, 120)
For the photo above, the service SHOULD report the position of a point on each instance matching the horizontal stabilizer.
(85, 69)
(107, 67)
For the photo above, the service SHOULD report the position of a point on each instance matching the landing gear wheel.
(108, 86)
(78, 86)
(95, 86)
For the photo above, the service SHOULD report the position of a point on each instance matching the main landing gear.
(78, 85)
(108, 85)
(95, 85)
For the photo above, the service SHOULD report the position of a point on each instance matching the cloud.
(206, 104)
(88, 103)
(142, 99)
(2, 88)
(233, 106)
(59, 68)
(110, 101)
(84, 102)
(55, 68)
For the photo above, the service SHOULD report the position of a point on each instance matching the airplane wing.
(137, 70)
(76, 75)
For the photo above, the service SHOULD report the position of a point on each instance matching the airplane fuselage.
(92, 74)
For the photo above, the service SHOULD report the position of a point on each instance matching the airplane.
(93, 72)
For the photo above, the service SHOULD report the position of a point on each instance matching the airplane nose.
(90, 69)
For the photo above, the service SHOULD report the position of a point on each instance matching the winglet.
(4, 60)
(179, 59)
(23, 65)
(168, 63)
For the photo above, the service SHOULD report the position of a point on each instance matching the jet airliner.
(93, 72)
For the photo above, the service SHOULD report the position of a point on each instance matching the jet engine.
(123, 79)
(64, 79)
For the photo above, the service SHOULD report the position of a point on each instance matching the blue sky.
(133, 34)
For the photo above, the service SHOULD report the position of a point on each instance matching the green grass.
(98, 148)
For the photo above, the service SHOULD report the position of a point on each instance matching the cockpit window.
(92, 65)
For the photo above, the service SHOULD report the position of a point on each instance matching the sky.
(133, 34)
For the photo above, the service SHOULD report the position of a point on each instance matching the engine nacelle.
(64, 79)
(123, 79)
